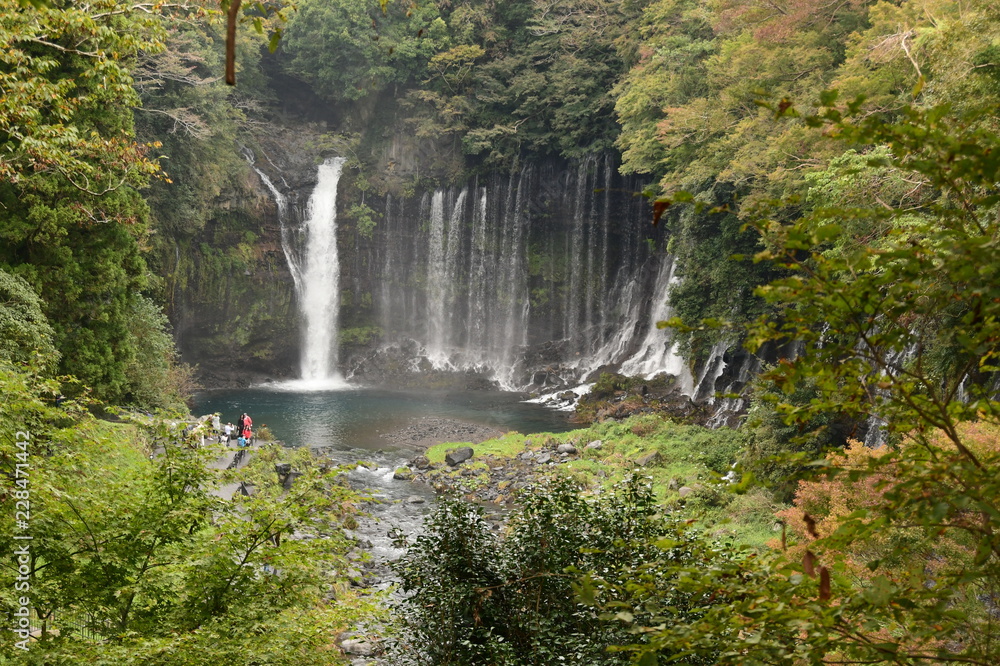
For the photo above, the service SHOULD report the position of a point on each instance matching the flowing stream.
(351, 425)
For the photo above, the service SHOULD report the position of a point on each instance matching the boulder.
(290, 479)
(684, 491)
(403, 474)
(415, 499)
(543, 459)
(596, 444)
(421, 462)
(649, 459)
(458, 456)
(566, 448)
(358, 647)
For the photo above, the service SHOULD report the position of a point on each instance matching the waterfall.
(658, 351)
(319, 300)
(704, 388)
(437, 282)
(728, 408)
(281, 201)
(452, 267)
(478, 274)
(542, 274)
(876, 427)
(539, 276)
(512, 301)
(578, 264)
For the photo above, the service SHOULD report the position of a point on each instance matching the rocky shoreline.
(428, 431)
(490, 479)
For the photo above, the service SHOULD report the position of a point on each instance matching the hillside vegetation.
(827, 173)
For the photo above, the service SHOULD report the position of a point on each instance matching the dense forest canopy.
(827, 173)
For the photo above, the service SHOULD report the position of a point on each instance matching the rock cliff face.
(229, 294)
(535, 277)
(532, 277)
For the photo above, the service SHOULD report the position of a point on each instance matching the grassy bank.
(686, 463)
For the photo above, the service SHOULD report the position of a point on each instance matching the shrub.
(479, 597)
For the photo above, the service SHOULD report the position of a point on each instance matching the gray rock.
(649, 459)
(684, 491)
(415, 499)
(290, 479)
(403, 474)
(421, 462)
(358, 647)
(458, 456)
(596, 444)
(566, 448)
(527, 455)
(543, 459)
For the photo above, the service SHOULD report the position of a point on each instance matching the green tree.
(349, 49)
(24, 330)
(72, 218)
(902, 332)
(136, 559)
(479, 597)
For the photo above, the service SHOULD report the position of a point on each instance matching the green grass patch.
(507, 446)
(681, 455)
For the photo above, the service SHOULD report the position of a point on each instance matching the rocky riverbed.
(409, 489)
(428, 431)
(492, 479)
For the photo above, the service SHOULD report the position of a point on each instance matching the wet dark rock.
(402, 474)
(289, 479)
(458, 456)
(420, 462)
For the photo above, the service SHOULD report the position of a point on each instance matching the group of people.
(242, 432)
